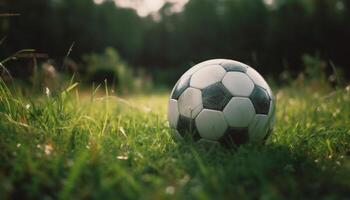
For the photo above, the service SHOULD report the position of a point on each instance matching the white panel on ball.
(192, 70)
(211, 124)
(190, 103)
(173, 113)
(207, 76)
(258, 128)
(213, 62)
(195, 68)
(239, 112)
(238, 83)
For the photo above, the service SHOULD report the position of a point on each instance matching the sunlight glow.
(146, 7)
(269, 2)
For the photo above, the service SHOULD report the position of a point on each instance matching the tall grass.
(72, 145)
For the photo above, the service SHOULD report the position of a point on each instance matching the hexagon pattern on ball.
(190, 103)
(191, 71)
(238, 83)
(187, 126)
(222, 101)
(259, 80)
(211, 124)
(258, 128)
(213, 62)
(196, 67)
(206, 76)
(261, 100)
(234, 66)
(215, 96)
(173, 113)
(239, 112)
(180, 87)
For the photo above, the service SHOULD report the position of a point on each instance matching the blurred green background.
(133, 46)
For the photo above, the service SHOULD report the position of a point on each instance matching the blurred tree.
(245, 24)
(270, 35)
(288, 35)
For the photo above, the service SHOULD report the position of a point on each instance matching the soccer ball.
(222, 101)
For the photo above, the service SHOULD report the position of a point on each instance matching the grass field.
(71, 146)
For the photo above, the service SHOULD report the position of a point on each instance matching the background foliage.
(271, 37)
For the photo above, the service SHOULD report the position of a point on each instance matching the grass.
(70, 146)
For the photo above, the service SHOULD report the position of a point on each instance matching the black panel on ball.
(234, 137)
(261, 100)
(233, 67)
(187, 127)
(216, 97)
(180, 87)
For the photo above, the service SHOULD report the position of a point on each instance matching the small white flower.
(48, 149)
(185, 179)
(122, 157)
(18, 145)
(122, 131)
(47, 91)
(70, 163)
(170, 190)
(27, 106)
